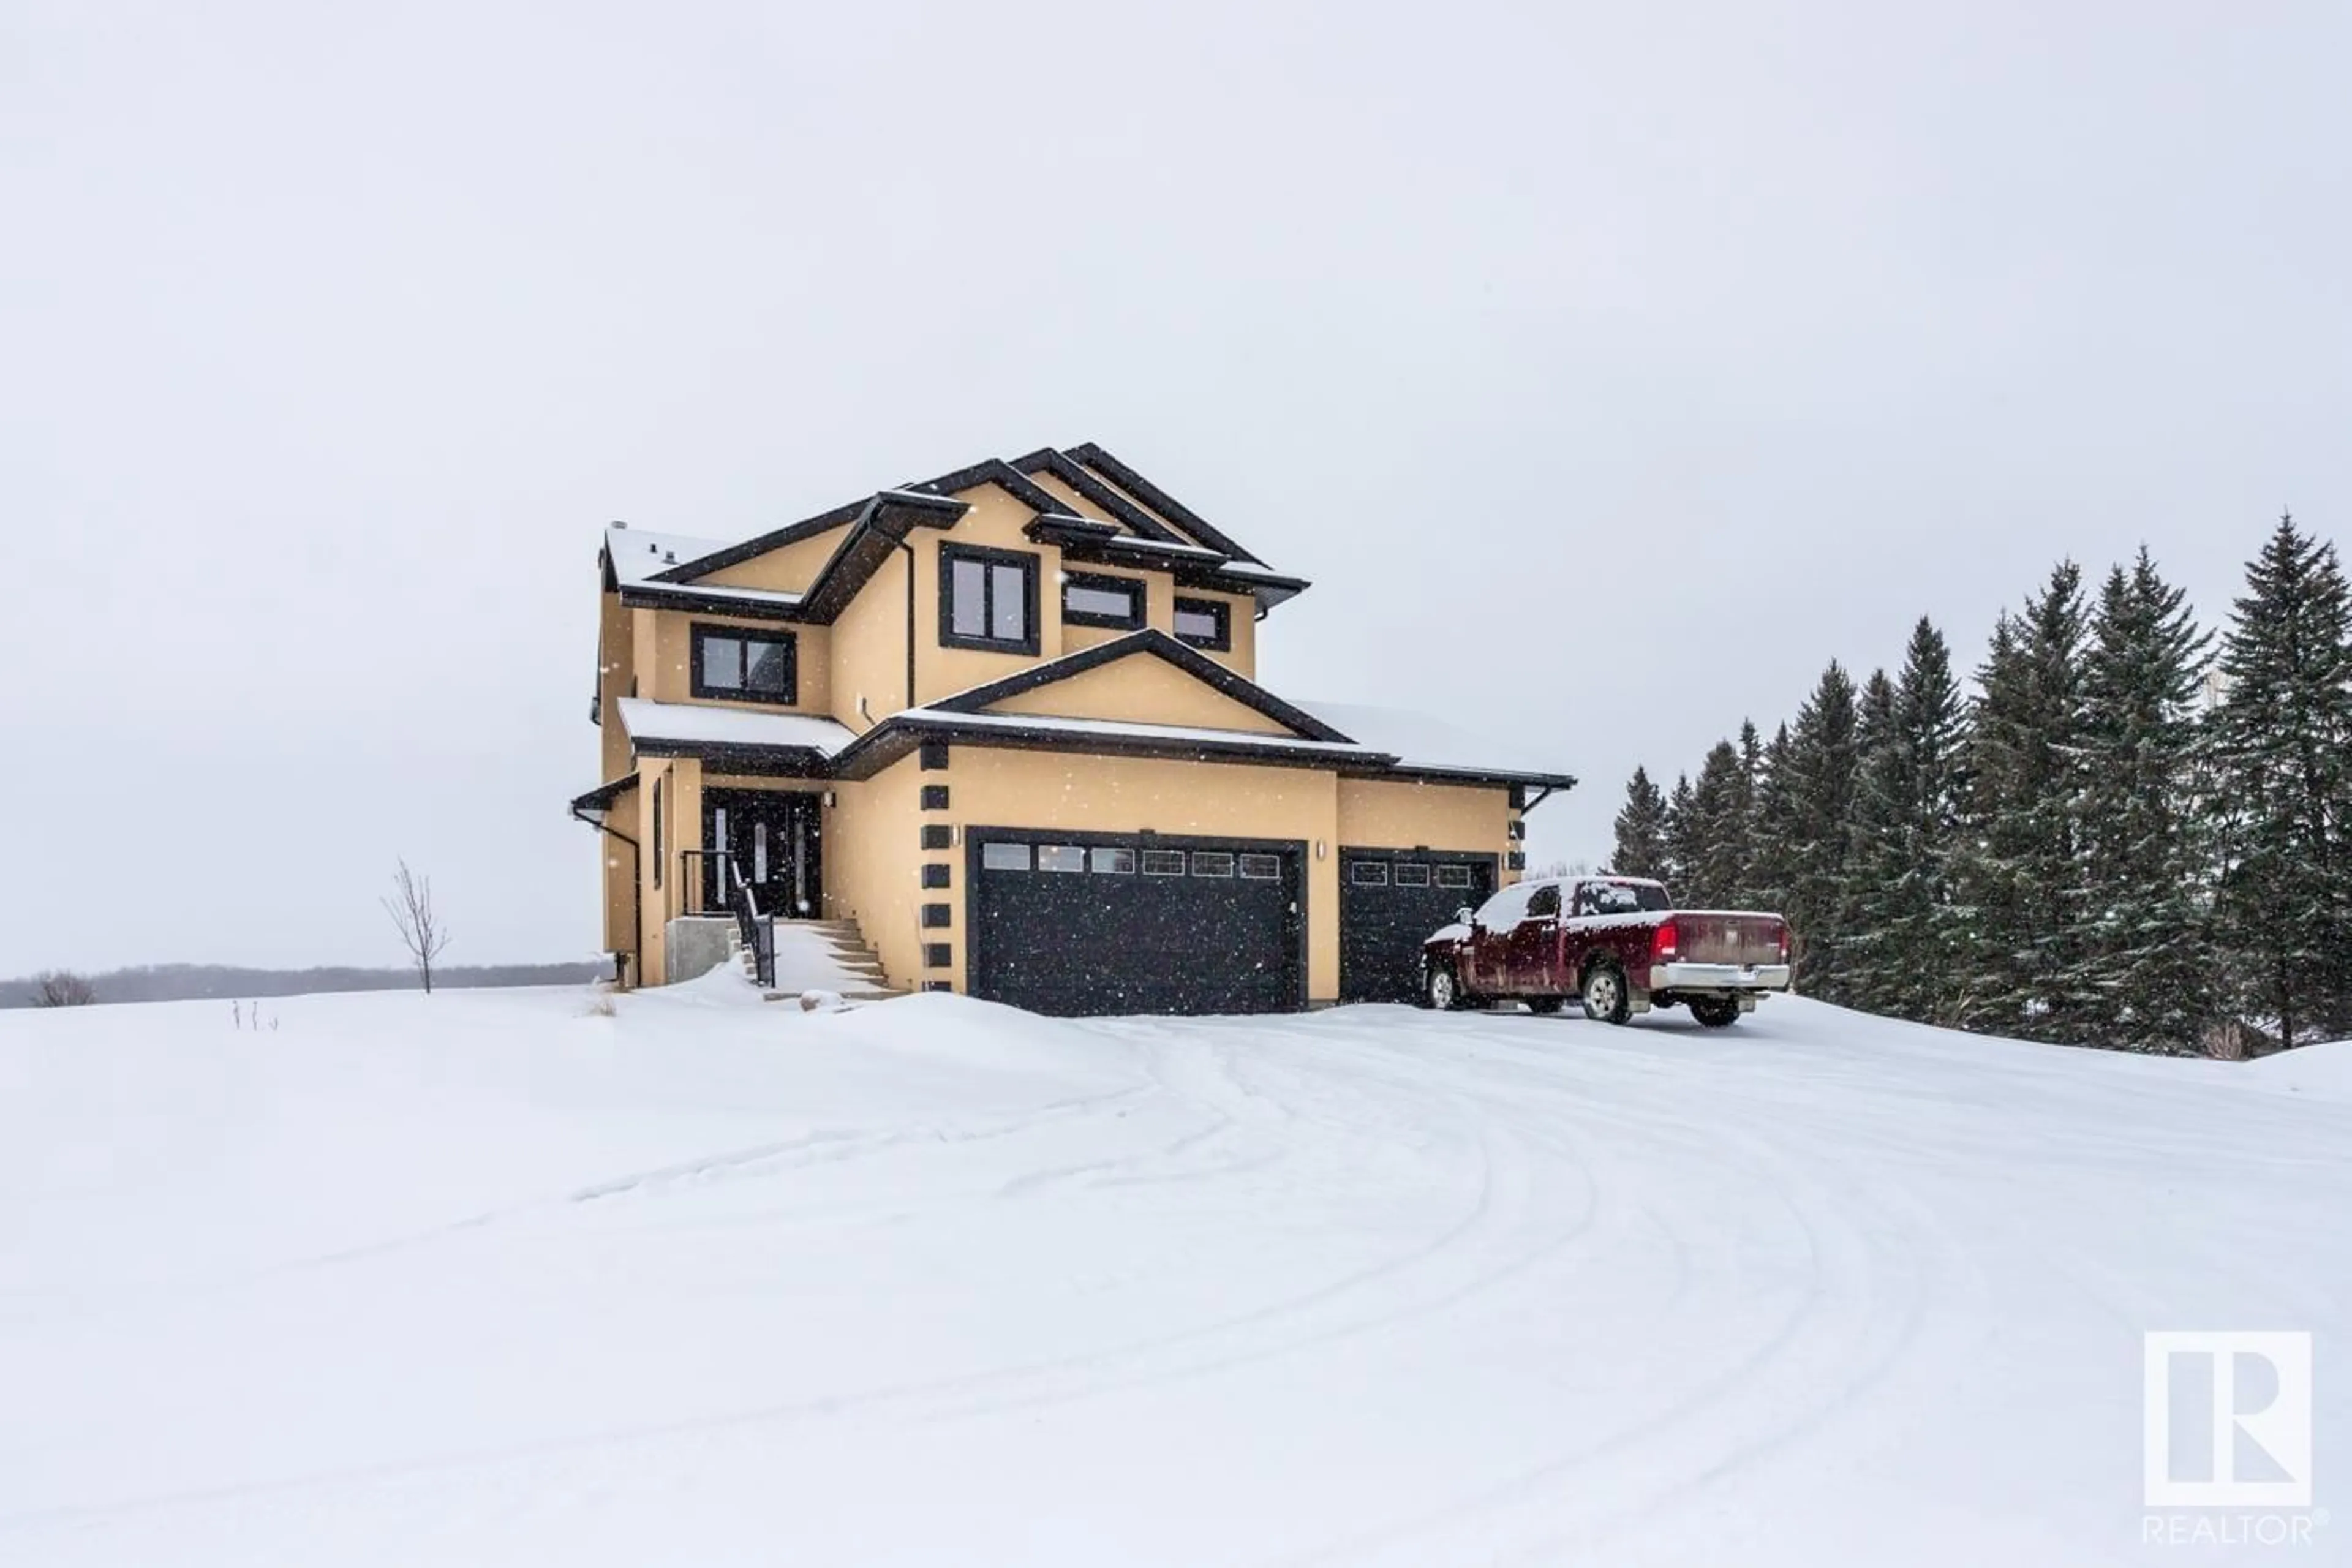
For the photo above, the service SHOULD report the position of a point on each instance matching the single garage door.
(1390, 900)
(1077, 924)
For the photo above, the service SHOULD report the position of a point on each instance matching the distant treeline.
(2116, 838)
(185, 982)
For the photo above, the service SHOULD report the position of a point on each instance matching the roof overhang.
(901, 733)
(600, 799)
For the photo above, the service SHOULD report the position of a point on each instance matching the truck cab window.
(1544, 901)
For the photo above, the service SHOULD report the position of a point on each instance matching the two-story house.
(1008, 722)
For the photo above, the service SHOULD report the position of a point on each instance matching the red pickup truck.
(1617, 942)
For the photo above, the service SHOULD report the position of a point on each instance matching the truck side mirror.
(1464, 915)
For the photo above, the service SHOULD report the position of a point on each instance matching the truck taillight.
(1665, 942)
(1784, 941)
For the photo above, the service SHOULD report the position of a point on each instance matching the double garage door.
(1079, 923)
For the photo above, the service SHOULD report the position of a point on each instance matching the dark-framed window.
(1098, 599)
(1205, 622)
(988, 599)
(743, 666)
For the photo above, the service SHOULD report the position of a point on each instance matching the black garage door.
(1390, 900)
(1073, 923)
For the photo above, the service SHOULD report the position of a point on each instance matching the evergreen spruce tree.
(1745, 886)
(2146, 943)
(1907, 812)
(1640, 830)
(1716, 837)
(2019, 875)
(1771, 861)
(1867, 962)
(2283, 755)
(1682, 831)
(1817, 777)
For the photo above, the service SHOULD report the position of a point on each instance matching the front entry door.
(774, 838)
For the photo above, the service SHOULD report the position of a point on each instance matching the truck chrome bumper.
(1719, 977)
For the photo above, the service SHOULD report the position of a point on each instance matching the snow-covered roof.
(637, 553)
(700, 725)
(1426, 744)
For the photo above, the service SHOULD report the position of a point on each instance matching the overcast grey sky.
(1608, 368)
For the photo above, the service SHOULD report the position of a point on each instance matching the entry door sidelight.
(774, 837)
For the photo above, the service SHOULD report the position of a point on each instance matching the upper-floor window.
(1204, 623)
(1093, 599)
(988, 599)
(746, 665)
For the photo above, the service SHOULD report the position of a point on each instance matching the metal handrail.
(758, 932)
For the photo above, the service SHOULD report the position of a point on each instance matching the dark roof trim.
(896, 736)
(993, 471)
(736, 555)
(601, 797)
(1092, 489)
(664, 597)
(1095, 540)
(880, 528)
(1482, 777)
(1159, 643)
(1157, 499)
(776, 762)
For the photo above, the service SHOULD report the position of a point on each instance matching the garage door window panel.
(1061, 857)
(1005, 858)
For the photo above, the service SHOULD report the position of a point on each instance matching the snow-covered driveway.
(484, 1279)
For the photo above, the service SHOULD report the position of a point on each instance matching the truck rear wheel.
(1606, 998)
(1716, 1012)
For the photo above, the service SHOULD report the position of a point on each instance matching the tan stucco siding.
(995, 522)
(789, 569)
(643, 656)
(1241, 611)
(1145, 691)
(873, 856)
(616, 663)
(869, 648)
(671, 677)
(1379, 813)
(1072, 501)
(660, 902)
(618, 874)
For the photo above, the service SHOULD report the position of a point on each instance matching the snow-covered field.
(485, 1279)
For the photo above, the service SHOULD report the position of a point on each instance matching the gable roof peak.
(1158, 643)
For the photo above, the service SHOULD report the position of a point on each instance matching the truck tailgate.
(1712, 936)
